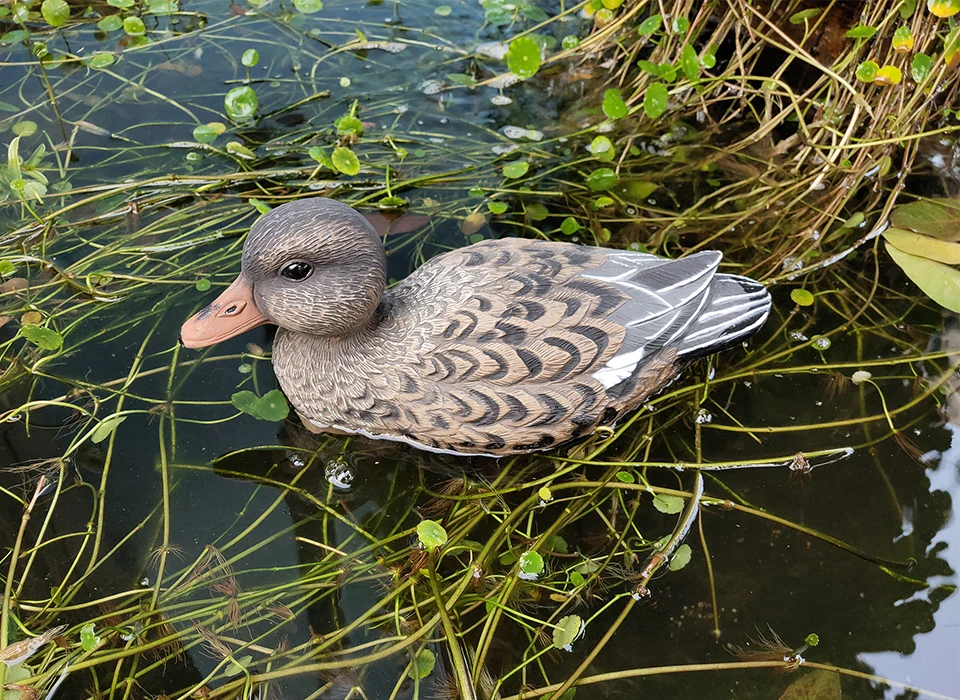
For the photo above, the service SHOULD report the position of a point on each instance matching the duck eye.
(296, 271)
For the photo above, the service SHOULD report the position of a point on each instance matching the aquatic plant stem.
(11, 571)
(464, 682)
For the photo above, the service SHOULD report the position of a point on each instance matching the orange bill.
(230, 314)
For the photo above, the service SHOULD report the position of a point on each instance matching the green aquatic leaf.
(106, 427)
(24, 128)
(523, 57)
(867, 71)
(261, 207)
(601, 179)
(650, 25)
(497, 208)
(250, 58)
(804, 15)
(576, 578)
(536, 211)
(920, 66)
(43, 338)
(602, 148)
(14, 36)
(423, 665)
(55, 12)
(566, 631)
(308, 7)
(7, 268)
(937, 217)
(204, 133)
(320, 155)
(667, 503)
(431, 534)
(861, 31)
(349, 125)
(801, 297)
(238, 666)
(940, 282)
(516, 169)
(238, 149)
(134, 26)
(442, 10)
(110, 23)
(680, 558)
(392, 203)
(88, 638)
(689, 62)
(345, 161)
(655, 99)
(570, 42)
(272, 406)
(613, 105)
(626, 477)
(531, 566)
(569, 226)
(202, 284)
(929, 247)
(241, 103)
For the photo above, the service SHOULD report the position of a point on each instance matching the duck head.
(312, 266)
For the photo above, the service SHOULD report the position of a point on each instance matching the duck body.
(501, 347)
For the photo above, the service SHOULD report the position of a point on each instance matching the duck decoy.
(502, 347)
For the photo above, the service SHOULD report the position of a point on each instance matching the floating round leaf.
(536, 211)
(680, 558)
(569, 226)
(345, 161)
(134, 26)
(866, 71)
(272, 406)
(523, 57)
(920, 67)
(649, 25)
(344, 82)
(238, 149)
(319, 155)
(110, 23)
(55, 12)
(667, 503)
(497, 208)
(250, 58)
(431, 534)
(943, 8)
(204, 134)
(473, 223)
(566, 632)
(241, 103)
(801, 297)
(308, 7)
(689, 62)
(423, 665)
(570, 42)
(626, 477)
(442, 10)
(602, 148)
(903, 39)
(24, 128)
(655, 99)
(888, 75)
(516, 169)
(349, 125)
(392, 203)
(601, 179)
(613, 105)
(531, 566)
(203, 284)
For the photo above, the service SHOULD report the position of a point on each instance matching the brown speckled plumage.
(500, 347)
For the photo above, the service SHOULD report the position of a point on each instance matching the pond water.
(217, 555)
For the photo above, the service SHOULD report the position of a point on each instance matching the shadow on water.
(205, 545)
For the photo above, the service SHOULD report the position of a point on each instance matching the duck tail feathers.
(738, 306)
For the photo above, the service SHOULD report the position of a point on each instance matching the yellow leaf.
(944, 8)
(473, 223)
(888, 75)
(815, 685)
(940, 282)
(924, 246)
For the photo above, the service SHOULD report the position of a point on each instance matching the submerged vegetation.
(144, 137)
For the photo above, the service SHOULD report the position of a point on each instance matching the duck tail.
(738, 306)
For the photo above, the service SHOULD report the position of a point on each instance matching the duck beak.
(230, 314)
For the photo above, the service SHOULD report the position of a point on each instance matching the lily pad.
(431, 534)
(523, 57)
(134, 26)
(497, 208)
(423, 665)
(516, 169)
(567, 630)
(667, 503)
(55, 12)
(531, 566)
(250, 58)
(272, 406)
(680, 558)
(601, 179)
(241, 103)
(345, 161)
(613, 105)
(655, 100)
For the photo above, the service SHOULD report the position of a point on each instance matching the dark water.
(260, 492)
